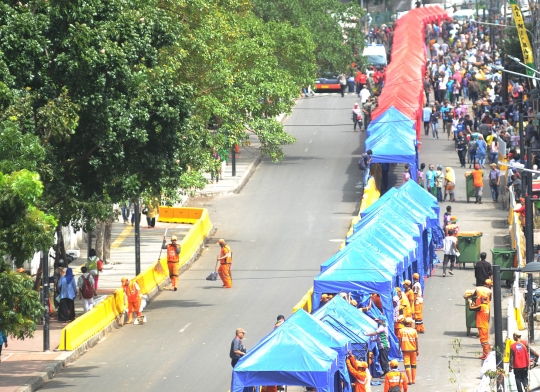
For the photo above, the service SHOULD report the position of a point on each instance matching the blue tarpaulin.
(303, 351)
(369, 276)
(394, 119)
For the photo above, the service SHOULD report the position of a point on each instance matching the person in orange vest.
(452, 225)
(132, 299)
(482, 324)
(483, 293)
(173, 260)
(410, 295)
(395, 378)
(359, 371)
(519, 362)
(404, 305)
(418, 304)
(225, 261)
(478, 182)
(408, 343)
(398, 324)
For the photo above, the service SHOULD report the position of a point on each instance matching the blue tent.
(391, 146)
(393, 118)
(303, 351)
(346, 274)
(372, 247)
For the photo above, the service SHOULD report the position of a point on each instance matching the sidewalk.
(25, 367)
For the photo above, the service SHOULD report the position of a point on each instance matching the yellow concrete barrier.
(97, 319)
(305, 303)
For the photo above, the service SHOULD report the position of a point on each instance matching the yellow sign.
(526, 47)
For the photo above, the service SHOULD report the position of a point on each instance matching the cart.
(469, 245)
(470, 316)
(504, 258)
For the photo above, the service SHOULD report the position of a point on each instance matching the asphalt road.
(281, 227)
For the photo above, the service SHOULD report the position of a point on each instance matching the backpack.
(472, 147)
(87, 289)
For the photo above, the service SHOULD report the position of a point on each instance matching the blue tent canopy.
(392, 118)
(370, 246)
(302, 351)
(407, 232)
(346, 274)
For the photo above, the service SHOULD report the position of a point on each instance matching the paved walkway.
(24, 364)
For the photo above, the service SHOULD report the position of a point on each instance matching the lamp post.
(530, 268)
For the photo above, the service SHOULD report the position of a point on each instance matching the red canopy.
(403, 87)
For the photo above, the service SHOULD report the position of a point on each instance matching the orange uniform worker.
(398, 324)
(395, 378)
(225, 261)
(133, 299)
(418, 304)
(408, 343)
(173, 260)
(478, 182)
(407, 285)
(482, 323)
(404, 305)
(483, 293)
(358, 370)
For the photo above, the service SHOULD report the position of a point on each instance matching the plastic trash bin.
(469, 244)
(505, 258)
(470, 316)
(469, 185)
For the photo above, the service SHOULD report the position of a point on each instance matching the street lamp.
(520, 63)
(530, 268)
(501, 68)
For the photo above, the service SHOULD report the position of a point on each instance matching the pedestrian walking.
(472, 150)
(342, 80)
(482, 324)
(408, 343)
(434, 120)
(132, 300)
(225, 261)
(237, 347)
(125, 212)
(420, 175)
(494, 150)
(494, 182)
(68, 292)
(367, 108)
(481, 151)
(95, 266)
(381, 334)
(449, 184)
(363, 166)
(395, 379)
(173, 260)
(482, 270)
(406, 173)
(461, 148)
(418, 304)
(364, 95)
(450, 250)
(446, 218)
(3, 342)
(356, 117)
(439, 183)
(430, 181)
(519, 362)
(359, 372)
(477, 175)
(87, 290)
(152, 210)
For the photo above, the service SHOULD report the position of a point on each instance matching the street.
(281, 227)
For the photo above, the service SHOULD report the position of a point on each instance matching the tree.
(327, 21)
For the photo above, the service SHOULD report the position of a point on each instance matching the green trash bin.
(469, 185)
(505, 258)
(470, 316)
(469, 244)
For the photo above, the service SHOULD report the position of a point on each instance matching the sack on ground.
(212, 276)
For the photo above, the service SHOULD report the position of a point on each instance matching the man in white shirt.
(450, 249)
(364, 95)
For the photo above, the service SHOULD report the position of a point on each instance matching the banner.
(528, 57)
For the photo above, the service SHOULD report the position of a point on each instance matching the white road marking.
(183, 329)
(310, 141)
(305, 150)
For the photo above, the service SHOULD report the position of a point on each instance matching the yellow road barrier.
(97, 319)
(305, 303)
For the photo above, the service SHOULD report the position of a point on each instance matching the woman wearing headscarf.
(356, 116)
(68, 291)
(449, 184)
(481, 151)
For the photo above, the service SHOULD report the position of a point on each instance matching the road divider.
(106, 315)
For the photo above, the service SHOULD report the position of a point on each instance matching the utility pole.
(45, 288)
(137, 237)
(529, 239)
